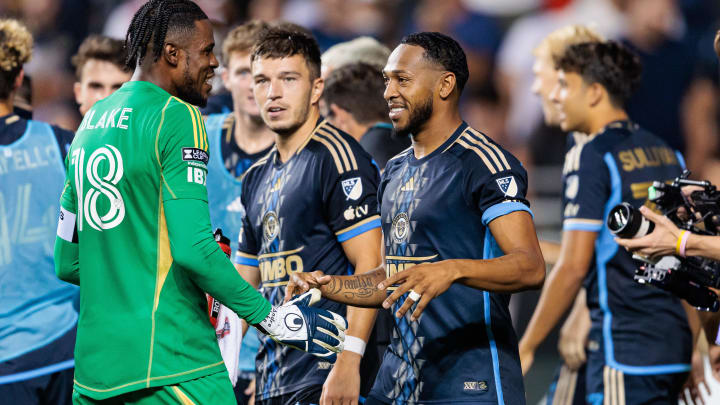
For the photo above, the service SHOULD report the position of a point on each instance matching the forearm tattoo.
(356, 290)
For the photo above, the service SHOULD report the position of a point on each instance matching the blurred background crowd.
(677, 98)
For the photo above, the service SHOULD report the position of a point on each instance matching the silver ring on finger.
(414, 296)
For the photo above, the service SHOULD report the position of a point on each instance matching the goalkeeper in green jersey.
(134, 232)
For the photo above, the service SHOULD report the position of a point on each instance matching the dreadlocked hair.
(153, 21)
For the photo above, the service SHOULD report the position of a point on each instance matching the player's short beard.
(418, 117)
(302, 117)
(188, 91)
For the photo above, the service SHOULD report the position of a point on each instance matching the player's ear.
(317, 89)
(596, 93)
(447, 84)
(171, 54)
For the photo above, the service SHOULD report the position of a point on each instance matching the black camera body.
(686, 277)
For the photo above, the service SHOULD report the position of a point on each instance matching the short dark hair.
(358, 89)
(608, 63)
(153, 21)
(280, 42)
(443, 50)
(102, 48)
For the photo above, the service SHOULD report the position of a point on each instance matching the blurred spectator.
(363, 49)
(99, 69)
(119, 19)
(478, 34)
(335, 21)
(672, 101)
(354, 100)
(515, 60)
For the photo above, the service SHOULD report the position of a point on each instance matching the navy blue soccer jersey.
(297, 215)
(642, 330)
(463, 347)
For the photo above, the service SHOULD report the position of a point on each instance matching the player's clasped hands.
(313, 330)
(300, 283)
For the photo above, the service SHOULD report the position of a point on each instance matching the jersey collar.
(440, 149)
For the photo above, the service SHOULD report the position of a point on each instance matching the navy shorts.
(607, 385)
(42, 376)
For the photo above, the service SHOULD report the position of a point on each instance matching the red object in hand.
(213, 304)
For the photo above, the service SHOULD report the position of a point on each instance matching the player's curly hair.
(102, 48)
(443, 50)
(608, 63)
(16, 44)
(152, 23)
(282, 42)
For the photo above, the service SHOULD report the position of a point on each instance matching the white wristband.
(354, 344)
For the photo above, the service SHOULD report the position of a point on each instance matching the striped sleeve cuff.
(246, 259)
(359, 228)
(501, 209)
(582, 224)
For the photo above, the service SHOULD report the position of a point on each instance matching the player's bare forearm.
(358, 290)
(364, 256)
(251, 274)
(550, 251)
(561, 287)
(521, 268)
(515, 271)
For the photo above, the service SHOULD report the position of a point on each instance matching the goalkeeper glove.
(313, 330)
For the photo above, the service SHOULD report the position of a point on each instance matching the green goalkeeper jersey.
(137, 157)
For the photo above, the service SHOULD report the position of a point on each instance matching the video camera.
(686, 277)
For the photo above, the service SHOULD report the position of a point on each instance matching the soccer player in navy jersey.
(640, 343)
(310, 203)
(568, 386)
(458, 239)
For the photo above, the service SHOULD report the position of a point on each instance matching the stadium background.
(677, 98)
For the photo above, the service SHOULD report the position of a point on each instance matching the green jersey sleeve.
(68, 199)
(182, 151)
(66, 255)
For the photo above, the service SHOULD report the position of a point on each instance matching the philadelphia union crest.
(271, 226)
(400, 227)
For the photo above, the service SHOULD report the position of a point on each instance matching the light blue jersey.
(35, 306)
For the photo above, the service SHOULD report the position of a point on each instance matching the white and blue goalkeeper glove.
(313, 330)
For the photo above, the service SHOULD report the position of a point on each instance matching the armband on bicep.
(67, 227)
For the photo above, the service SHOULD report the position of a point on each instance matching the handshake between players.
(313, 330)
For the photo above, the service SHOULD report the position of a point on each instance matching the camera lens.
(627, 222)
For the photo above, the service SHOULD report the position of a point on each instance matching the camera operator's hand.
(660, 242)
